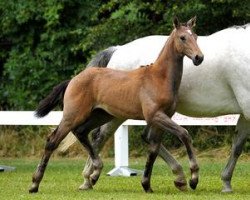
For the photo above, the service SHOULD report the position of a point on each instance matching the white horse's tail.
(103, 57)
(68, 141)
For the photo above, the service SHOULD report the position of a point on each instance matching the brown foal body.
(148, 93)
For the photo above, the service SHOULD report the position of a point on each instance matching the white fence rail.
(121, 135)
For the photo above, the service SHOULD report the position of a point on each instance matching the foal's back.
(118, 92)
(105, 87)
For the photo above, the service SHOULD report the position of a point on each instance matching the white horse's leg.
(96, 119)
(180, 181)
(243, 128)
(100, 137)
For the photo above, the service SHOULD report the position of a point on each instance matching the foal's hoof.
(149, 190)
(85, 186)
(193, 183)
(181, 185)
(33, 190)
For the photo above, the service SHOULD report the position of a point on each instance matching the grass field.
(63, 176)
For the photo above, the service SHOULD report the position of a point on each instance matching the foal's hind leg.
(99, 138)
(52, 143)
(97, 118)
(243, 128)
(75, 112)
(162, 121)
(180, 181)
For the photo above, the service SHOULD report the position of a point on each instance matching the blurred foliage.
(45, 42)
(37, 47)
(29, 141)
(22, 141)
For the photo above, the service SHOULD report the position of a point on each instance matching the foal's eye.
(183, 39)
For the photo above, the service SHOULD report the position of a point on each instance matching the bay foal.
(148, 93)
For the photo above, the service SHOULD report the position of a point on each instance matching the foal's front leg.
(162, 121)
(154, 140)
(180, 181)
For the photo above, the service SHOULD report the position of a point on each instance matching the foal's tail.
(56, 96)
(100, 60)
(52, 100)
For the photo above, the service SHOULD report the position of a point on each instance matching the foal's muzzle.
(197, 60)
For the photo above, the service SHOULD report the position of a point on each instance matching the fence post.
(122, 154)
(121, 146)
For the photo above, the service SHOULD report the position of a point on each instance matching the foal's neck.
(170, 64)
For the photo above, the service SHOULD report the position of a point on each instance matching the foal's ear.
(192, 22)
(176, 22)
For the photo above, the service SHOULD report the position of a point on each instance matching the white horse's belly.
(205, 97)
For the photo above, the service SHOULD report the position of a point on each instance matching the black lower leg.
(154, 140)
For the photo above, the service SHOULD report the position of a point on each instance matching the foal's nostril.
(198, 59)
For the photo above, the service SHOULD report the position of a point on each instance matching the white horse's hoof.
(85, 186)
(227, 190)
(181, 185)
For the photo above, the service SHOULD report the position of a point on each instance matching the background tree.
(44, 42)
(37, 47)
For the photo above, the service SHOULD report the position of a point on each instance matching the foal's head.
(185, 40)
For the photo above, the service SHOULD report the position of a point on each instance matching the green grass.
(63, 176)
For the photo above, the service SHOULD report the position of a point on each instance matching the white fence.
(121, 135)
